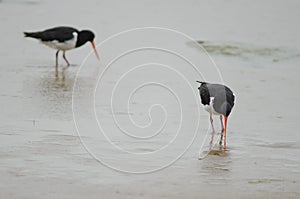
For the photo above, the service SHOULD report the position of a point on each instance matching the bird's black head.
(85, 36)
(201, 84)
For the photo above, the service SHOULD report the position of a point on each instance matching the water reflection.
(49, 93)
(63, 75)
(62, 81)
(218, 164)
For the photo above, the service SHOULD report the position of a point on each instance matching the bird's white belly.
(67, 45)
(209, 108)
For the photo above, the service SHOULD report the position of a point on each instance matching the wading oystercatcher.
(63, 38)
(217, 99)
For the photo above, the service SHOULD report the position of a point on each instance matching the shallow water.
(42, 153)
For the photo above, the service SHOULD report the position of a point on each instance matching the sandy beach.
(132, 125)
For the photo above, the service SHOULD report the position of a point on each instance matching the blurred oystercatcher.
(64, 38)
(217, 99)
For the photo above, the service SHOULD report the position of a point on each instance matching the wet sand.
(255, 48)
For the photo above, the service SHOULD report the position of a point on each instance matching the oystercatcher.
(217, 99)
(63, 38)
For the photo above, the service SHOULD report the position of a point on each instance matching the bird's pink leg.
(56, 64)
(213, 131)
(56, 58)
(65, 58)
(221, 120)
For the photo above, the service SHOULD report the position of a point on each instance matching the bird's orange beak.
(225, 129)
(94, 47)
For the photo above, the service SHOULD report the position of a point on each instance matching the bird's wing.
(224, 100)
(60, 34)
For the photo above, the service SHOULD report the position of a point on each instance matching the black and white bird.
(64, 38)
(219, 100)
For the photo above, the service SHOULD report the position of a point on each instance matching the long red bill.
(94, 47)
(225, 126)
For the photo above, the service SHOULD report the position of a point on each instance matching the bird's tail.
(31, 34)
(201, 82)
